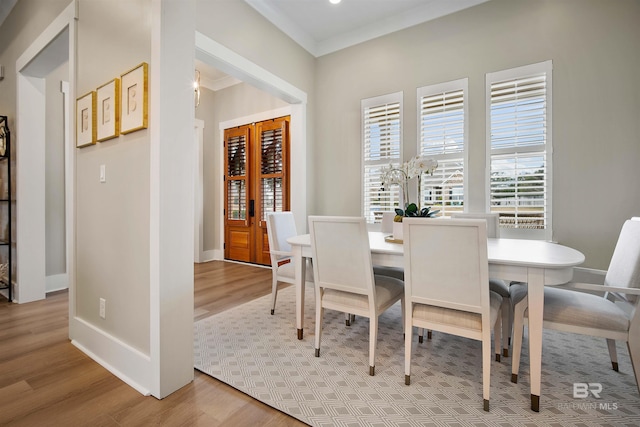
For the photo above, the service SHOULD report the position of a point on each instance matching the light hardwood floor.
(46, 381)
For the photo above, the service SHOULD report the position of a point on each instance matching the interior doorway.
(49, 51)
(256, 183)
(213, 53)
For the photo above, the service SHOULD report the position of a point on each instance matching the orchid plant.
(401, 176)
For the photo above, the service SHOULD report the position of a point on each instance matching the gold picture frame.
(134, 99)
(86, 120)
(108, 106)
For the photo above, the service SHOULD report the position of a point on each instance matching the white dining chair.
(498, 286)
(281, 226)
(344, 278)
(397, 272)
(613, 316)
(446, 275)
(387, 227)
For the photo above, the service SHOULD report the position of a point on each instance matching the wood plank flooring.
(46, 381)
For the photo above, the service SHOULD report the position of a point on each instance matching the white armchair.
(583, 313)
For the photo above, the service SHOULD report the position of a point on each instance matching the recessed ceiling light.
(335, 1)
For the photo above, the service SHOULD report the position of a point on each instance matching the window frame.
(523, 72)
(376, 101)
(430, 90)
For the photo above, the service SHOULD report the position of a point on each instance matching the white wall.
(134, 232)
(594, 48)
(112, 218)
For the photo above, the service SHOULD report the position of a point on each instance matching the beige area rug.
(258, 354)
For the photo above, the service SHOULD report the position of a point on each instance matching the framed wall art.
(108, 106)
(133, 99)
(86, 120)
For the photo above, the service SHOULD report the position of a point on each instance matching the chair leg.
(634, 352)
(497, 334)
(403, 313)
(319, 316)
(421, 335)
(373, 339)
(518, 326)
(613, 355)
(510, 326)
(408, 337)
(274, 294)
(506, 325)
(486, 366)
(347, 319)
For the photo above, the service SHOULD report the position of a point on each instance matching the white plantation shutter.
(382, 144)
(519, 147)
(272, 171)
(443, 134)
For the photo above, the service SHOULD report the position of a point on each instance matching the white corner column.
(171, 122)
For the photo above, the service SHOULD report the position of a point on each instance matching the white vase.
(397, 231)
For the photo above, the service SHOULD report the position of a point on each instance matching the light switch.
(103, 173)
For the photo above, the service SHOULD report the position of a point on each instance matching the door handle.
(252, 210)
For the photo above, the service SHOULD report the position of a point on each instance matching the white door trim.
(198, 171)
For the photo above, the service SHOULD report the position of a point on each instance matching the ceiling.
(321, 27)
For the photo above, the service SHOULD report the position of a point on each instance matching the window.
(442, 130)
(519, 145)
(382, 136)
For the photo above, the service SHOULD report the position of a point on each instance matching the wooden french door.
(256, 183)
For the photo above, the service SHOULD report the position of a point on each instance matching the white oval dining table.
(536, 262)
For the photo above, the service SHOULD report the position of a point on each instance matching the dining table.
(538, 263)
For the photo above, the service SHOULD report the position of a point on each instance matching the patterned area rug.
(258, 354)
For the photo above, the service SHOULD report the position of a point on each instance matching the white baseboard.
(212, 255)
(56, 282)
(125, 362)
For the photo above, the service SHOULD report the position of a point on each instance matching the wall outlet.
(103, 308)
(103, 173)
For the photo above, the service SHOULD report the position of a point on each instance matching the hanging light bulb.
(334, 1)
